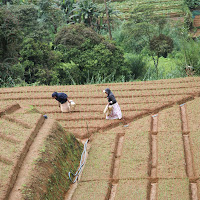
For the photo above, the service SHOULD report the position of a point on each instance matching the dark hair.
(55, 94)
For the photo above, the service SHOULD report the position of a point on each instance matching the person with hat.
(63, 101)
(112, 110)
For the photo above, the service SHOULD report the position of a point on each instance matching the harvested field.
(95, 190)
(169, 120)
(193, 117)
(135, 153)
(132, 189)
(154, 148)
(99, 162)
(4, 105)
(22, 143)
(173, 189)
(171, 163)
(98, 94)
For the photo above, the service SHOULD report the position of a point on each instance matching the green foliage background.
(66, 42)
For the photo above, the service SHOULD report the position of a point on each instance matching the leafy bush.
(168, 68)
(188, 21)
(93, 55)
(10, 37)
(27, 16)
(66, 73)
(135, 64)
(9, 34)
(38, 61)
(189, 55)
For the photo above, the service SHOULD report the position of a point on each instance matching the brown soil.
(9, 139)
(17, 121)
(9, 109)
(155, 146)
(154, 124)
(154, 156)
(193, 120)
(19, 161)
(188, 153)
(116, 159)
(27, 163)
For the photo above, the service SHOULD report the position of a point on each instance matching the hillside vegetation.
(162, 8)
(41, 42)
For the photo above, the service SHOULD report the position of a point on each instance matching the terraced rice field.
(152, 153)
(169, 9)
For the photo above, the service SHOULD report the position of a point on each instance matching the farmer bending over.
(63, 101)
(113, 106)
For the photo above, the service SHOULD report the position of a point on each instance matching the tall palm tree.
(108, 20)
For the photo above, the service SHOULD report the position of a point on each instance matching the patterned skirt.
(115, 113)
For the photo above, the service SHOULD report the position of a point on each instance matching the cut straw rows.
(115, 166)
(96, 95)
(188, 153)
(95, 90)
(168, 83)
(188, 156)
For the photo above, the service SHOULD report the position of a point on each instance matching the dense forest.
(54, 42)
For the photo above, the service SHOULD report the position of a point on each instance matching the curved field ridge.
(15, 143)
(152, 153)
(152, 158)
(135, 98)
(28, 160)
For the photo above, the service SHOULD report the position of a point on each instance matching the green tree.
(161, 45)
(51, 17)
(143, 33)
(94, 56)
(9, 34)
(38, 60)
(4, 2)
(10, 38)
(27, 16)
(67, 6)
(87, 12)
